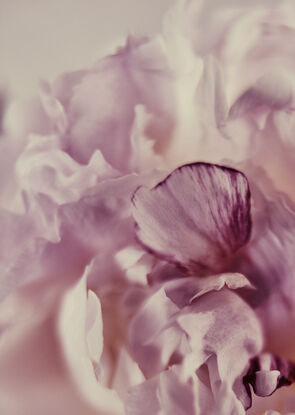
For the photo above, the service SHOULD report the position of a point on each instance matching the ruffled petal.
(65, 212)
(44, 168)
(197, 217)
(101, 110)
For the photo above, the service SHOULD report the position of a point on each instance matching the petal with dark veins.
(197, 217)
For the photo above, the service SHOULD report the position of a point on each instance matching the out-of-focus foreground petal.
(268, 262)
(46, 363)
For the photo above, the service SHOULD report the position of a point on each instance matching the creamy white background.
(41, 38)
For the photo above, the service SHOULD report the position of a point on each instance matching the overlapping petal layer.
(186, 325)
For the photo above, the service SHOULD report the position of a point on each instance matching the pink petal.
(142, 399)
(127, 374)
(197, 217)
(175, 395)
(37, 359)
(152, 348)
(226, 316)
(43, 167)
(268, 373)
(268, 262)
(103, 103)
(272, 91)
(274, 144)
(184, 291)
(71, 330)
(172, 393)
(248, 41)
(169, 329)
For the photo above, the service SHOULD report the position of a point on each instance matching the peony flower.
(148, 225)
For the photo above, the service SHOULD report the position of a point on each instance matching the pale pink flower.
(161, 175)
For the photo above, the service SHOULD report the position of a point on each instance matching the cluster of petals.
(148, 224)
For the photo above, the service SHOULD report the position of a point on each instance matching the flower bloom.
(148, 225)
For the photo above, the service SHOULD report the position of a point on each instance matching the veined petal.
(197, 217)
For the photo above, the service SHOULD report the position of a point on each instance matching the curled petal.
(197, 217)
(267, 373)
(75, 310)
(184, 292)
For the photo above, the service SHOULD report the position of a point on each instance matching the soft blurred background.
(41, 38)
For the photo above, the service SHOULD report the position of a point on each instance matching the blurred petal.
(44, 168)
(144, 393)
(39, 356)
(172, 393)
(101, 108)
(53, 108)
(271, 91)
(281, 402)
(71, 331)
(249, 39)
(268, 262)
(127, 374)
